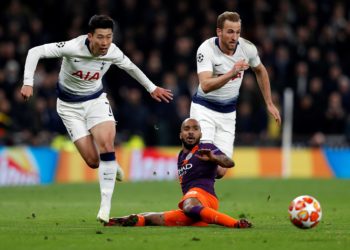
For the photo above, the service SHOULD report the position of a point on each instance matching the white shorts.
(218, 128)
(80, 117)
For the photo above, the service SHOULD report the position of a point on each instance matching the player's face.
(228, 35)
(100, 41)
(190, 133)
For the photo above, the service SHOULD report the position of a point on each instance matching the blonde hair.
(227, 15)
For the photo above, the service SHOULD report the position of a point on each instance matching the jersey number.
(88, 76)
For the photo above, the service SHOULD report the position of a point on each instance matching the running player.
(221, 62)
(82, 103)
(197, 166)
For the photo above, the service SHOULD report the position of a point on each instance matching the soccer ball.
(305, 212)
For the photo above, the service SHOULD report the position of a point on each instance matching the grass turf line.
(63, 216)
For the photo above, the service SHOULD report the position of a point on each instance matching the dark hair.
(100, 22)
(227, 15)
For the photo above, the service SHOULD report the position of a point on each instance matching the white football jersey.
(211, 58)
(81, 72)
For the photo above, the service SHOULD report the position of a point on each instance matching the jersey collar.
(87, 43)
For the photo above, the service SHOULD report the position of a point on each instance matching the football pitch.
(63, 216)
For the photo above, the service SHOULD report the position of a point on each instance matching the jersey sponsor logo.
(183, 170)
(60, 44)
(239, 75)
(200, 57)
(89, 76)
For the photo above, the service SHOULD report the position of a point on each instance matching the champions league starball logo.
(60, 44)
(200, 57)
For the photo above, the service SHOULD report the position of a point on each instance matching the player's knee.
(187, 208)
(106, 147)
(193, 211)
(93, 162)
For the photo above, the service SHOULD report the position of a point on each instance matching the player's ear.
(218, 32)
(90, 36)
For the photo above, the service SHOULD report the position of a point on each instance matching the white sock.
(107, 173)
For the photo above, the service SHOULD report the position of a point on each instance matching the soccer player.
(197, 166)
(221, 62)
(82, 103)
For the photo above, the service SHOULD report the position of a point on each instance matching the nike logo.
(107, 173)
(76, 60)
(217, 64)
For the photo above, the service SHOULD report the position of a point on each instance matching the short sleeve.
(252, 54)
(204, 59)
(60, 49)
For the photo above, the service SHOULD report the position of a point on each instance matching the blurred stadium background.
(303, 44)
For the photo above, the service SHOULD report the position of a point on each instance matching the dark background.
(303, 44)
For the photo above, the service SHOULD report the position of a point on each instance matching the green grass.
(63, 216)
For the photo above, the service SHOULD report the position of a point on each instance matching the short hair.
(100, 22)
(227, 15)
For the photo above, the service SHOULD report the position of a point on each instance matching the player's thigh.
(101, 123)
(225, 133)
(98, 111)
(206, 121)
(73, 117)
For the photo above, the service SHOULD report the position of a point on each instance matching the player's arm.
(210, 83)
(50, 50)
(219, 159)
(264, 85)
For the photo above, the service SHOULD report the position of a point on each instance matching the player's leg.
(73, 117)
(203, 206)
(224, 137)
(101, 124)
(103, 135)
(168, 218)
(84, 133)
(143, 219)
(206, 121)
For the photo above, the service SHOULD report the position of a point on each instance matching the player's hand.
(239, 66)
(275, 113)
(160, 94)
(27, 92)
(205, 154)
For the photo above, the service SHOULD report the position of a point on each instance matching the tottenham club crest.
(200, 57)
(60, 44)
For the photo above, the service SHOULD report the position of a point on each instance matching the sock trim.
(195, 212)
(109, 156)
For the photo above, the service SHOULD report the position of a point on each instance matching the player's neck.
(188, 148)
(92, 50)
(225, 50)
